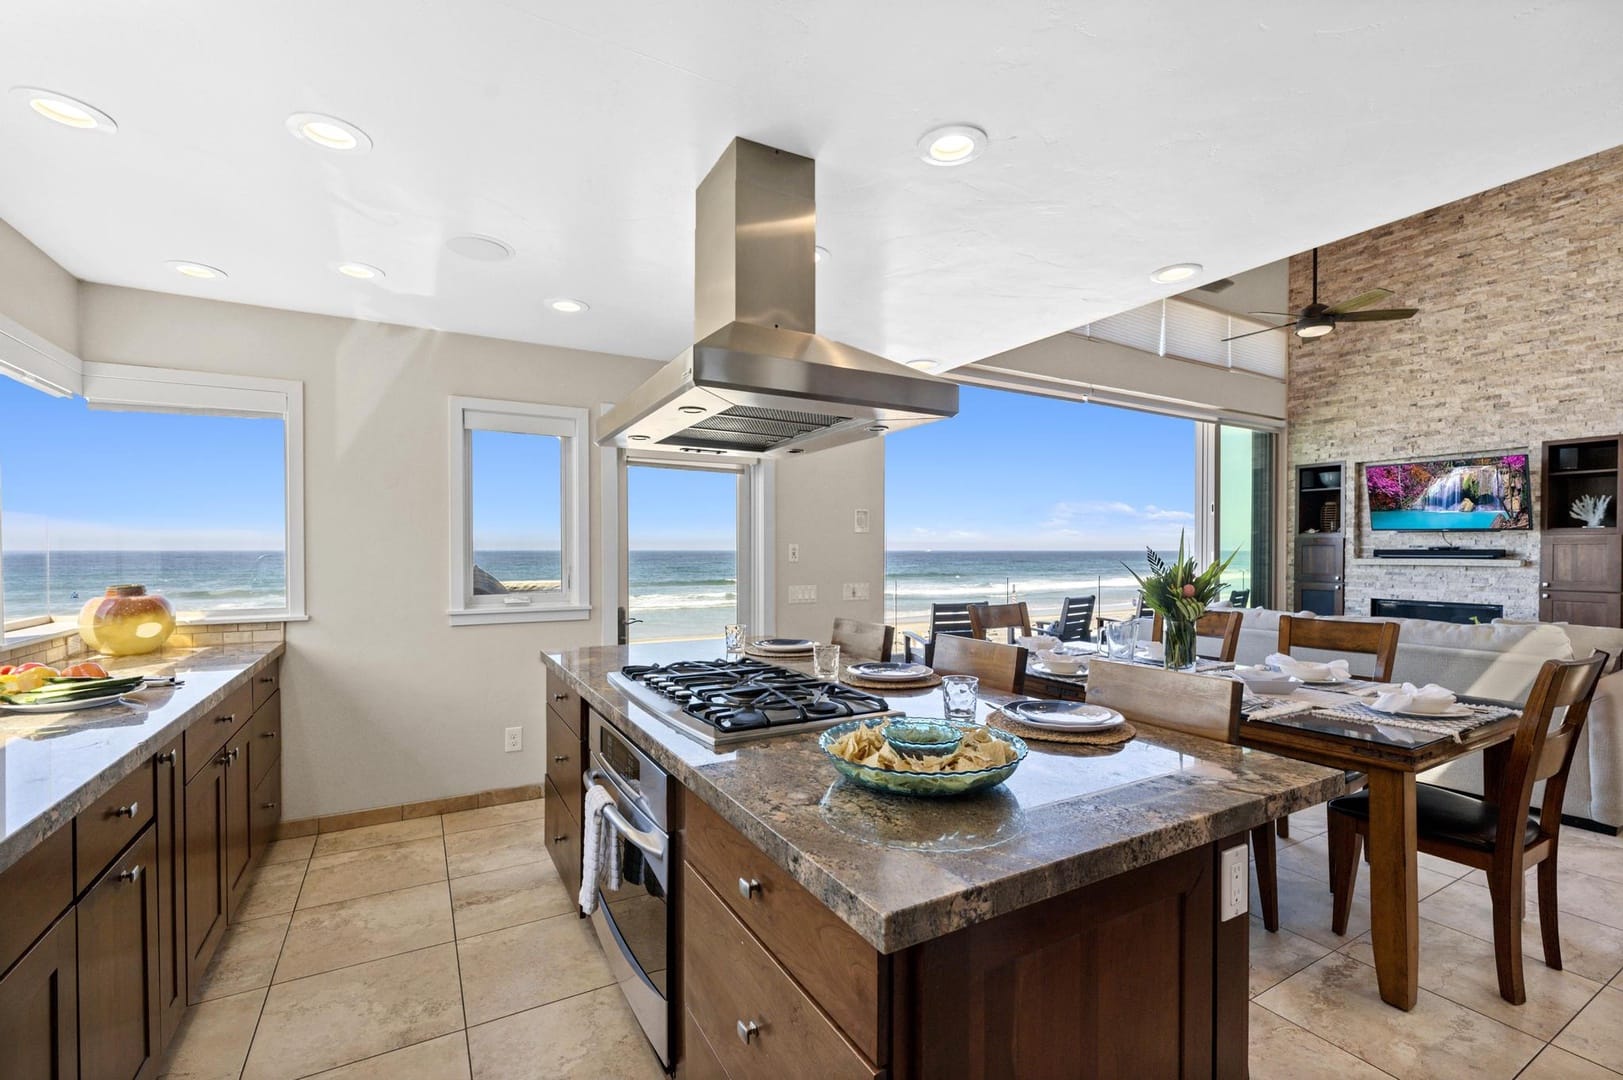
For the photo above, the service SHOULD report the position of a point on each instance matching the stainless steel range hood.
(760, 381)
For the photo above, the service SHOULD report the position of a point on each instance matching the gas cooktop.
(725, 702)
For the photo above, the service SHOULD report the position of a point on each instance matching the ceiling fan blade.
(1379, 315)
(1276, 314)
(1361, 300)
(1254, 333)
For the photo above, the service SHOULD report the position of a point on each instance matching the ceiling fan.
(1317, 320)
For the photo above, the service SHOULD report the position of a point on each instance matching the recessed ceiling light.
(483, 248)
(820, 254)
(568, 306)
(328, 132)
(67, 111)
(1167, 275)
(360, 271)
(954, 144)
(200, 271)
(922, 365)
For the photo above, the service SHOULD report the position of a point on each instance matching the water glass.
(826, 662)
(737, 636)
(960, 693)
(1121, 639)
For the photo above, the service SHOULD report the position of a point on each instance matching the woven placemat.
(923, 682)
(1108, 737)
(789, 657)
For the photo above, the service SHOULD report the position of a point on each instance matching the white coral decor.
(1590, 510)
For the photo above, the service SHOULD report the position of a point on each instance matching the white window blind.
(29, 358)
(1139, 328)
(1195, 332)
(1191, 331)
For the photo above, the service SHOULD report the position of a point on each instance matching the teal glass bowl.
(922, 738)
(923, 785)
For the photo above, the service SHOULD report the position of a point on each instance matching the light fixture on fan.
(1316, 320)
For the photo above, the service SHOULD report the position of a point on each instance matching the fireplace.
(1440, 610)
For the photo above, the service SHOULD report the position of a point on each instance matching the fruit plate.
(921, 784)
(64, 706)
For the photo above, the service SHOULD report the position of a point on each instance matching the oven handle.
(651, 843)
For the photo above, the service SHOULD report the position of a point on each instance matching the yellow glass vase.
(126, 622)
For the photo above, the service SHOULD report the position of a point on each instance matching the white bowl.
(1038, 643)
(1061, 663)
(1261, 680)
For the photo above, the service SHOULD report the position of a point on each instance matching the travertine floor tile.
(356, 1012)
(486, 816)
(480, 850)
(1586, 896)
(444, 1058)
(390, 832)
(1306, 823)
(1556, 1064)
(1310, 857)
(348, 874)
(1590, 853)
(294, 849)
(1275, 957)
(501, 898)
(1304, 909)
(590, 1037)
(1282, 1051)
(1461, 968)
(274, 891)
(1597, 1034)
(212, 1041)
(365, 928)
(524, 966)
(245, 959)
(1587, 948)
(1337, 1000)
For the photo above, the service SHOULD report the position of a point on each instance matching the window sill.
(60, 628)
(492, 616)
(30, 635)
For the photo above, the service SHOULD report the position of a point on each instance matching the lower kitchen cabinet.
(170, 876)
(39, 1008)
(563, 838)
(118, 967)
(238, 821)
(206, 902)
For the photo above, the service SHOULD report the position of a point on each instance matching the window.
(187, 483)
(518, 512)
(1245, 510)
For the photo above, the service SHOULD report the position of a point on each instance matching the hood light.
(954, 144)
(820, 254)
(568, 306)
(691, 410)
(196, 270)
(1170, 275)
(922, 365)
(64, 110)
(329, 132)
(637, 438)
(878, 429)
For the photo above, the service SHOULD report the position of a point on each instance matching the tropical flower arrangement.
(1180, 595)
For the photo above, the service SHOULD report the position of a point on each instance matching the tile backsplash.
(65, 645)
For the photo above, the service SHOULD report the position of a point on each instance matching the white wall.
(384, 702)
(817, 499)
(36, 292)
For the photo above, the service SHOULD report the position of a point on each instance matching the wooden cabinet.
(103, 828)
(1319, 598)
(1320, 538)
(238, 821)
(563, 838)
(169, 820)
(1590, 561)
(206, 893)
(208, 736)
(1583, 608)
(265, 810)
(39, 1008)
(1580, 569)
(564, 762)
(118, 967)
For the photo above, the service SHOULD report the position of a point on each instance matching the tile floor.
(446, 948)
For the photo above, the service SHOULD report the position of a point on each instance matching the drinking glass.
(826, 662)
(737, 635)
(1121, 638)
(960, 694)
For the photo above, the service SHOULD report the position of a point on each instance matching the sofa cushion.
(1587, 639)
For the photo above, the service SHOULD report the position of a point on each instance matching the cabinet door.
(265, 811)
(563, 839)
(118, 967)
(39, 1009)
(170, 875)
(238, 821)
(1583, 608)
(1589, 561)
(205, 867)
(1319, 597)
(1319, 558)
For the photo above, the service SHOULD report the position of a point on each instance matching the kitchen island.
(1068, 923)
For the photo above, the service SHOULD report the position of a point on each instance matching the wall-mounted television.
(1473, 494)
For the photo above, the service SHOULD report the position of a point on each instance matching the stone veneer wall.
(1519, 340)
(66, 645)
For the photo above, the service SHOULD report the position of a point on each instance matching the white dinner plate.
(1042, 668)
(782, 645)
(1064, 715)
(886, 671)
(66, 706)
(1453, 712)
(1328, 682)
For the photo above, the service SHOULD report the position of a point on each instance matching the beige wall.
(817, 499)
(1517, 342)
(384, 701)
(36, 292)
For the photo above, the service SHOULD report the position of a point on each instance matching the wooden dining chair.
(998, 666)
(949, 619)
(1196, 705)
(1075, 622)
(862, 640)
(1222, 625)
(1006, 617)
(1494, 832)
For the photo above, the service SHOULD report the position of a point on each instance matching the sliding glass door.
(1244, 510)
(685, 558)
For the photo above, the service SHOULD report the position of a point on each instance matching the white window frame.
(133, 388)
(572, 426)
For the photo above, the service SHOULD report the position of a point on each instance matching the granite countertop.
(53, 765)
(902, 871)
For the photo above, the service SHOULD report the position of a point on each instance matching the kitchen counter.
(905, 871)
(53, 765)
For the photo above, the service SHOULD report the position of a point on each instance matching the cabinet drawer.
(839, 969)
(562, 699)
(563, 840)
(34, 890)
(564, 762)
(265, 810)
(699, 1062)
(103, 828)
(1584, 608)
(750, 1012)
(264, 684)
(206, 737)
(264, 739)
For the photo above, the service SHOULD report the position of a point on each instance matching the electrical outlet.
(855, 590)
(1235, 882)
(794, 552)
(514, 740)
(861, 522)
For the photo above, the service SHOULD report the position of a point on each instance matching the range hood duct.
(759, 381)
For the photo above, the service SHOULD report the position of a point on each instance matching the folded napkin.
(1430, 698)
(1038, 642)
(1308, 671)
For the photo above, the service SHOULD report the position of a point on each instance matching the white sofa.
(1499, 660)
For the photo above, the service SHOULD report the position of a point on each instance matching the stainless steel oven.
(635, 922)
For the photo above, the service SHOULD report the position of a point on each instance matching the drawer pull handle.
(560, 838)
(749, 888)
(166, 758)
(127, 811)
(747, 1030)
(132, 874)
(560, 758)
(267, 679)
(267, 806)
(223, 759)
(226, 719)
(561, 695)
(267, 734)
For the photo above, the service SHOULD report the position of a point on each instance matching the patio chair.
(1075, 622)
(951, 619)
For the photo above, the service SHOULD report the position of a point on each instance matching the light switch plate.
(856, 590)
(794, 552)
(803, 594)
(1235, 881)
(861, 522)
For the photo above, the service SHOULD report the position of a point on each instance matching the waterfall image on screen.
(1469, 493)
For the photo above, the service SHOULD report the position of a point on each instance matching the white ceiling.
(1124, 136)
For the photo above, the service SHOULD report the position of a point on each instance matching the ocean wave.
(947, 588)
(680, 601)
(682, 582)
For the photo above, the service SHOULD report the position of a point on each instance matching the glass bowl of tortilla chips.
(983, 758)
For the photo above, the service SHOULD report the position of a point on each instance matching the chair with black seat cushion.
(1075, 622)
(1495, 832)
(951, 619)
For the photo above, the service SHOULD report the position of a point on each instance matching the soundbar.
(1442, 552)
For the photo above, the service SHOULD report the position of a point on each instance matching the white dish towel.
(602, 850)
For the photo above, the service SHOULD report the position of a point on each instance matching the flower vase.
(126, 622)
(1177, 644)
